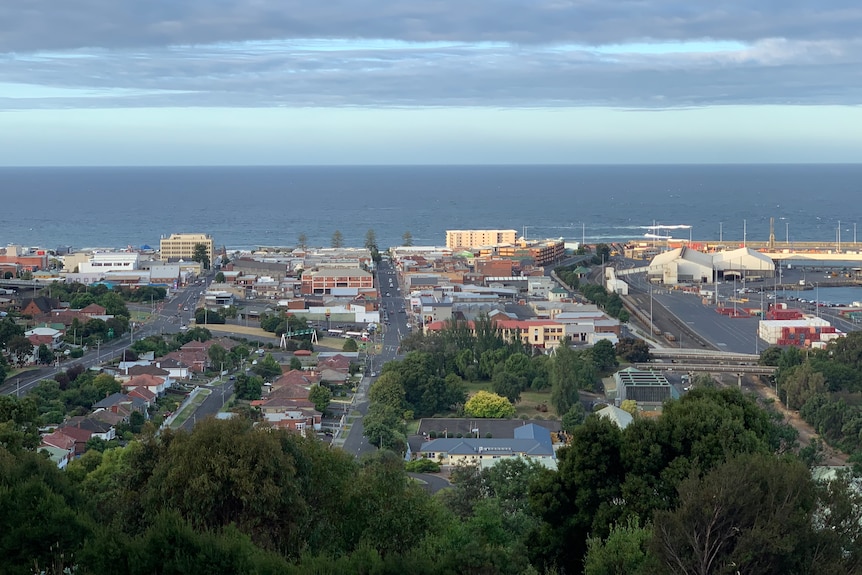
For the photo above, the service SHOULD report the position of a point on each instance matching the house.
(50, 337)
(96, 428)
(60, 447)
(155, 384)
(61, 457)
(78, 436)
(295, 382)
(121, 404)
(530, 442)
(143, 393)
(176, 369)
(334, 377)
(338, 362)
(38, 307)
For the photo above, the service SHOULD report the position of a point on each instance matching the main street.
(393, 326)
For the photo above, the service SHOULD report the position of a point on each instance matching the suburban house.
(121, 404)
(176, 369)
(60, 448)
(155, 384)
(96, 428)
(52, 338)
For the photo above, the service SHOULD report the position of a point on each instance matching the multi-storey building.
(325, 280)
(456, 239)
(182, 246)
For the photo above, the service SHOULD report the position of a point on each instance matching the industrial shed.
(743, 262)
(685, 265)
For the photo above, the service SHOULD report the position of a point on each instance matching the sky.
(296, 82)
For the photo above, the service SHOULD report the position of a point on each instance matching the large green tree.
(200, 255)
(337, 239)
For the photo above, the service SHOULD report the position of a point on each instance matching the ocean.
(244, 207)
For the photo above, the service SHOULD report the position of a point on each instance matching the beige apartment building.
(182, 246)
(477, 238)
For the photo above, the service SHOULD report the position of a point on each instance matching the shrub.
(539, 418)
(422, 466)
(459, 435)
(432, 435)
(488, 436)
(76, 353)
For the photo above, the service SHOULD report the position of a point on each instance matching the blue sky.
(101, 82)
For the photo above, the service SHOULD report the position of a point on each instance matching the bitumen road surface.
(167, 319)
(394, 320)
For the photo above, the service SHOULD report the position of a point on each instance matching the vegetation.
(488, 405)
(337, 239)
(199, 254)
(708, 485)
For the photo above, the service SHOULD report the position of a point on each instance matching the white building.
(685, 265)
(110, 261)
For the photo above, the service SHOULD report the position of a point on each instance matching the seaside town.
(490, 348)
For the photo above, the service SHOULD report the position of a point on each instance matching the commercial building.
(109, 261)
(322, 282)
(456, 239)
(182, 246)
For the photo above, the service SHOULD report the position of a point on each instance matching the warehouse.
(685, 265)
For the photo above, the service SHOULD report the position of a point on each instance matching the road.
(167, 319)
(211, 405)
(395, 324)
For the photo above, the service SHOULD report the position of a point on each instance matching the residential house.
(50, 337)
(60, 447)
(143, 393)
(155, 384)
(176, 369)
(96, 427)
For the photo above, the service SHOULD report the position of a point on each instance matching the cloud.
(37, 25)
(517, 53)
(398, 74)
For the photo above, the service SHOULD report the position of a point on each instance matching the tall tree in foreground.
(407, 239)
(302, 241)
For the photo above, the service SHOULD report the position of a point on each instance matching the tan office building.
(477, 238)
(182, 246)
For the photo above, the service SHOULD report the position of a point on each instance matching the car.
(387, 294)
(186, 308)
(232, 378)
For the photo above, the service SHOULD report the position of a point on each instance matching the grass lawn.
(188, 410)
(528, 403)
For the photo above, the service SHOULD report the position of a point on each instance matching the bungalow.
(143, 393)
(60, 447)
(175, 369)
(121, 404)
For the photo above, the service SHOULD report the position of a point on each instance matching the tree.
(248, 387)
(295, 363)
(604, 355)
(320, 396)
(630, 405)
(488, 405)
(350, 345)
(217, 356)
(200, 255)
(219, 277)
(44, 354)
(633, 350)
(19, 348)
(754, 513)
(508, 385)
(624, 552)
(370, 240)
(800, 383)
(407, 239)
(268, 368)
(302, 241)
(574, 417)
(337, 239)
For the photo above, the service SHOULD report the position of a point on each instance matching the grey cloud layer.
(285, 74)
(33, 25)
(516, 53)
